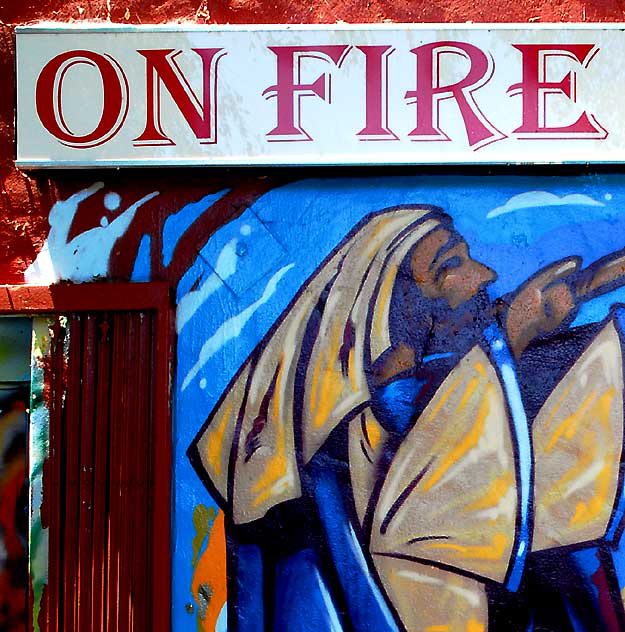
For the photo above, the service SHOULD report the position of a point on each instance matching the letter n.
(162, 70)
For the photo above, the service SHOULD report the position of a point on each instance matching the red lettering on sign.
(49, 98)
(429, 93)
(163, 69)
(289, 90)
(376, 99)
(534, 89)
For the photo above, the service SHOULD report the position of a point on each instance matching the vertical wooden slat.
(115, 504)
(126, 454)
(85, 473)
(160, 468)
(144, 351)
(52, 477)
(130, 455)
(100, 476)
(133, 465)
(70, 479)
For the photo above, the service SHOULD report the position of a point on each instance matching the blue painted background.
(251, 268)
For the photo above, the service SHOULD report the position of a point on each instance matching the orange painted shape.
(211, 571)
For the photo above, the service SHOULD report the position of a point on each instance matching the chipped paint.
(38, 453)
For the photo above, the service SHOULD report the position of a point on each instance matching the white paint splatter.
(607, 197)
(232, 327)
(532, 199)
(190, 303)
(203, 383)
(85, 257)
(246, 230)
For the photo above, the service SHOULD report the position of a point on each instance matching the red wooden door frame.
(89, 297)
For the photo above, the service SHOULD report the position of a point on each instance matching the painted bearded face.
(443, 268)
(440, 303)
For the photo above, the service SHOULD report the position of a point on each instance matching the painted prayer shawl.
(309, 372)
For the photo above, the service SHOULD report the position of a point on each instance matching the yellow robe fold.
(309, 374)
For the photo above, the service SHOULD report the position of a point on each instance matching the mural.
(399, 400)
(14, 401)
(384, 415)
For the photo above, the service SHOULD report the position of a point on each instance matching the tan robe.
(247, 446)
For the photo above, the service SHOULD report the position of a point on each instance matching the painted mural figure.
(401, 453)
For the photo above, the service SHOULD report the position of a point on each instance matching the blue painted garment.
(302, 600)
(394, 403)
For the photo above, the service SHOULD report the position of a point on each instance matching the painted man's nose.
(484, 273)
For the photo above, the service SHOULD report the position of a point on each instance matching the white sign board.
(283, 95)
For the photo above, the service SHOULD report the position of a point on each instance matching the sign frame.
(382, 151)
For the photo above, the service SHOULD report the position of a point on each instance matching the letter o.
(49, 99)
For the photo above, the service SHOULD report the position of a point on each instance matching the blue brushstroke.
(176, 224)
(141, 270)
(394, 403)
(618, 560)
(502, 358)
(302, 600)
(221, 625)
(249, 608)
(437, 356)
(576, 624)
(197, 273)
(257, 251)
(366, 606)
(587, 563)
(598, 308)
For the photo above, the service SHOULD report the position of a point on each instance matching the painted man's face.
(443, 268)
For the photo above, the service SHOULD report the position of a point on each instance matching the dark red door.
(99, 479)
